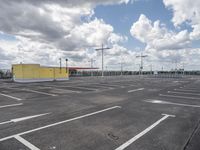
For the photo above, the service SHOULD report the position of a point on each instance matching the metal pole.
(102, 62)
(67, 66)
(121, 69)
(141, 67)
(141, 57)
(92, 66)
(102, 53)
(60, 65)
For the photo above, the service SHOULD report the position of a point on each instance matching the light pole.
(183, 69)
(151, 69)
(92, 61)
(67, 66)
(60, 65)
(121, 68)
(141, 57)
(20, 53)
(102, 52)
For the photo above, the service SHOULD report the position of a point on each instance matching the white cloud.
(186, 11)
(164, 46)
(157, 36)
(47, 30)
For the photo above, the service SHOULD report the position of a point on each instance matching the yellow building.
(37, 73)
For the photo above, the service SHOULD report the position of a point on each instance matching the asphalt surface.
(110, 113)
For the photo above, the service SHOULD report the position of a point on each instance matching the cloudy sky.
(42, 31)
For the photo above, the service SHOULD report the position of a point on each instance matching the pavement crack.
(191, 136)
(112, 136)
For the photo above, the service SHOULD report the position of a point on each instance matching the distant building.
(37, 73)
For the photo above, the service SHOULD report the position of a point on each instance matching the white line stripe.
(66, 90)
(113, 85)
(100, 86)
(44, 93)
(186, 88)
(5, 122)
(61, 122)
(12, 97)
(26, 143)
(4, 106)
(183, 90)
(129, 142)
(140, 89)
(28, 117)
(183, 93)
(185, 97)
(74, 87)
(170, 103)
(93, 89)
(23, 118)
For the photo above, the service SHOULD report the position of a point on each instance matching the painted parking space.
(84, 128)
(20, 94)
(83, 115)
(19, 137)
(7, 100)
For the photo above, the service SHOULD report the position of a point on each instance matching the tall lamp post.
(67, 66)
(91, 61)
(60, 65)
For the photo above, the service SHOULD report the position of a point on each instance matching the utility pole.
(121, 68)
(92, 61)
(102, 55)
(141, 57)
(151, 69)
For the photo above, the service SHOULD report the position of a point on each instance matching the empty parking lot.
(110, 113)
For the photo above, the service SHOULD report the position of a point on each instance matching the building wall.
(60, 74)
(46, 73)
(36, 73)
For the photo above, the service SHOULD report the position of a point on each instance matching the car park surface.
(110, 113)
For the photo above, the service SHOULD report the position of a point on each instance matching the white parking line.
(100, 86)
(187, 88)
(74, 87)
(65, 90)
(113, 85)
(129, 142)
(185, 97)
(135, 90)
(170, 103)
(183, 90)
(26, 143)
(4, 106)
(39, 92)
(23, 118)
(61, 122)
(12, 97)
(183, 93)
(33, 91)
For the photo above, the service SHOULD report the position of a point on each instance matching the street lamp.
(92, 61)
(66, 65)
(60, 65)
